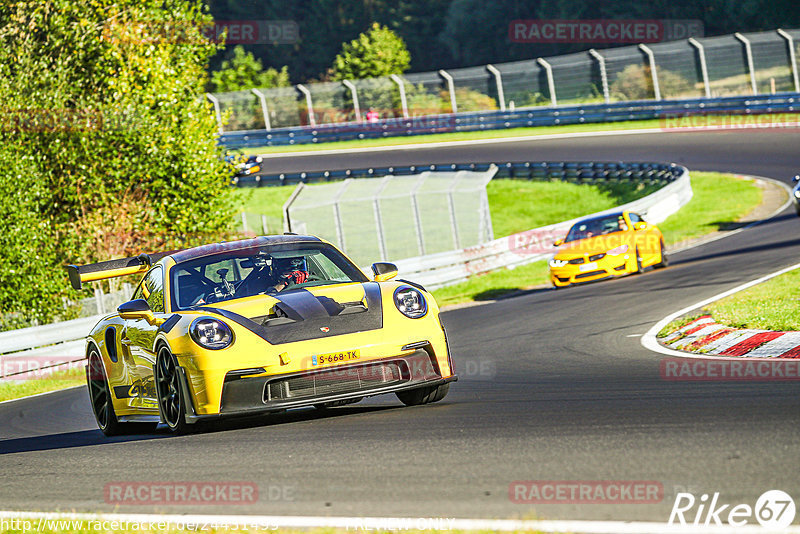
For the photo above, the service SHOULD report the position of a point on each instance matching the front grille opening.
(575, 261)
(589, 274)
(597, 256)
(337, 380)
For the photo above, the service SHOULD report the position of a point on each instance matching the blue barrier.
(588, 172)
(667, 110)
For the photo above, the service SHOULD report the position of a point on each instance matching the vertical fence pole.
(498, 80)
(264, 226)
(354, 94)
(551, 84)
(312, 121)
(451, 87)
(217, 112)
(748, 50)
(340, 235)
(376, 207)
(402, 88)
(287, 219)
(701, 53)
(244, 222)
(792, 58)
(415, 208)
(601, 62)
(652, 60)
(98, 300)
(262, 97)
(451, 205)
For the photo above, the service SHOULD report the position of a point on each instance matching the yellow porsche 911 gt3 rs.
(605, 246)
(258, 326)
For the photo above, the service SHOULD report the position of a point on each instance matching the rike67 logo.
(774, 509)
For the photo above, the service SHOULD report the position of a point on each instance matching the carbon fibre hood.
(302, 315)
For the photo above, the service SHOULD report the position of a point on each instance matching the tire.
(664, 258)
(171, 401)
(423, 395)
(638, 262)
(102, 405)
(100, 396)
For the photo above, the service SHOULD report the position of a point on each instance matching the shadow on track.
(88, 438)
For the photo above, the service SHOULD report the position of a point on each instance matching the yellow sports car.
(258, 326)
(604, 246)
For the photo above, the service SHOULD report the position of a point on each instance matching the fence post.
(451, 88)
(244, 222)
(376, 207)
(415, 208)
(264, 227)
(652, 58)
(354, 93)
(98, 300)
(792, 58)
(287, 221)
(550, 82)
(451, 204)
(749, 54)
(701, 52)
(601, 61)
(337, 214)
(217, 112)
(402, 88)
(498, 79)
(312, 121)
(264, 110)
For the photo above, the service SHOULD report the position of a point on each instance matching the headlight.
(622, 249)
(211, 333)
(797, 193)
(410, 302)
(557, 263)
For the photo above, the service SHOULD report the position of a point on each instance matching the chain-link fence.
(396, 217)
(730, 65)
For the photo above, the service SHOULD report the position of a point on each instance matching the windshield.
(270, 270)
(598, 226)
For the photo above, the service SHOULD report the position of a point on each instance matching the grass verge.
(16, 389)
(771, 305)
(718, 201)
(666, 124)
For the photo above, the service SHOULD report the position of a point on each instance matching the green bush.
(635, 82)
(108, 145)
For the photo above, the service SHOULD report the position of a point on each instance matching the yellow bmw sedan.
(605, 246)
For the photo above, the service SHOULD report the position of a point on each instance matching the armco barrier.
(587, 172)
(447, 268)
(498, 120)
(64, 342)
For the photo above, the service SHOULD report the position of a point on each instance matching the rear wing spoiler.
(78, 274)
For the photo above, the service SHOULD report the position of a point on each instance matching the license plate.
(335, 357)
(588, 267)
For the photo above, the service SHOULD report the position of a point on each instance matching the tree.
(244, 71)
(108, 146)
(378, 52)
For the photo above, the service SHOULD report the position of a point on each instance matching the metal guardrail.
(448, 268)
(42, 346)
(578, 172)
(667, 110)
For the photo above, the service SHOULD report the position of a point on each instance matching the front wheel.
(171, 401)
(664, 259)
(638, 262)
(423, 395)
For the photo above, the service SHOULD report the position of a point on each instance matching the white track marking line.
(650, 342)
(516, 139)
(400, 523)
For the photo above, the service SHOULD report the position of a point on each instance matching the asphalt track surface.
(552, 387)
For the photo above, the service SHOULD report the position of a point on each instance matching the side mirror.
(384, 271)
(137, 309)
(640, 226)
(558, 242)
